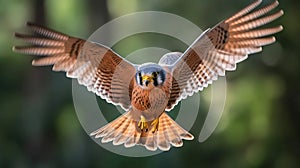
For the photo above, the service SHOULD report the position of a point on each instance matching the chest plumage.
(150, 102)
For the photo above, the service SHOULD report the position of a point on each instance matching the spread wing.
(95, 66)
(221, 48)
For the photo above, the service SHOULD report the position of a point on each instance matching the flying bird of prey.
(148, 90)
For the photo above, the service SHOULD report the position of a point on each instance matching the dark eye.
(155, 74)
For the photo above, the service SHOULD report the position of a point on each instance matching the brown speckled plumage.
(118, 81)
(150, 103)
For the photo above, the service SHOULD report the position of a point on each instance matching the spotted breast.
(150, 103)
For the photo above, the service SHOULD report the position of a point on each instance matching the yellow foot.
(154, 125)
(143, 124)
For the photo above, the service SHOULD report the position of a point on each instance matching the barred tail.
(170, 133)
(124, 130)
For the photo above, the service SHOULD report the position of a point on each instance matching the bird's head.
(150, 75)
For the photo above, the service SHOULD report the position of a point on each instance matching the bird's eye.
(155, 74)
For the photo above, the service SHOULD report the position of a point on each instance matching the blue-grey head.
(150, 75)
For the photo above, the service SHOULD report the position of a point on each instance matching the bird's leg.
(154, 125)
(143, 124)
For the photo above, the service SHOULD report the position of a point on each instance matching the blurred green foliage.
(39, 126)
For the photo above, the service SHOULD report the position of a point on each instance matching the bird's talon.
(154, 125)
(143, 124)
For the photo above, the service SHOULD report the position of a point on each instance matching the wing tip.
(17, 49)
(273, 39)
(257, 2)
(279, 28)
(31, 24)
(13, 48)
(281, 12)
(34, 63)
(17, 35)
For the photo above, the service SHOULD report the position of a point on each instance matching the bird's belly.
(149, 103)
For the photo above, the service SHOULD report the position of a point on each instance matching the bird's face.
(150, 76)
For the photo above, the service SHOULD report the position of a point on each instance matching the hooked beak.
(147, 79)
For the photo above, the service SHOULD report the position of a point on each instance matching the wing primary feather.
(250, 42)
(257, 33)
(244, 11)
(39, 50)
(255, 14)
(41, 30)
(39, 40)
(256, 23)
(49, 60)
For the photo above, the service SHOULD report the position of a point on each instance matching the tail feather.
(120, 139)
(163, 141)
(111, 127)
(124, 130)
(134, 138)
(173, 132)
(151, 143)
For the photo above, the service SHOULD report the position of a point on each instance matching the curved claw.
(154, 125)
(143, 124)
